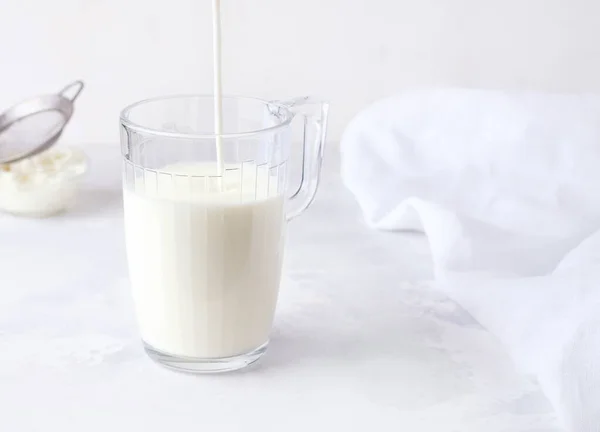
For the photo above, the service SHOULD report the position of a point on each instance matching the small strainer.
(33, 126)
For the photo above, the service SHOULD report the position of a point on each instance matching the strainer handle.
(72, 90)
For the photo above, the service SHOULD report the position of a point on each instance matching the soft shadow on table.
(415, 351)
(92, 202)
(405, 329)
(292, 351)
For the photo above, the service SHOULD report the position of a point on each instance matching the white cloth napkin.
(507, 189)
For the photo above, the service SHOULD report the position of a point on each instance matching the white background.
(348, 51)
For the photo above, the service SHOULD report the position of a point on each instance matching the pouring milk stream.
(217, 83)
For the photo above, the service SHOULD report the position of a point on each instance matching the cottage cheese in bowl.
(43, 185)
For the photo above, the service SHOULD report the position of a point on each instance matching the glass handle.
(313, 114)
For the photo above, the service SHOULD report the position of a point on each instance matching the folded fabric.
(506, 187)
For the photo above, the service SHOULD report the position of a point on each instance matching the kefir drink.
(207, 200)
(204, 258)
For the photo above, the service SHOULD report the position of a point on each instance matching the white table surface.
(361, 340)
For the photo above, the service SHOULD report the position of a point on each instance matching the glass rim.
(126, 122)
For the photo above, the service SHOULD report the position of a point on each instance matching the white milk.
(205, 258)
(217, 84)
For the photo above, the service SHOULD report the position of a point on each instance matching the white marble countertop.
(361, 340)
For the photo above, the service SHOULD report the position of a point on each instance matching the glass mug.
(205, 220)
